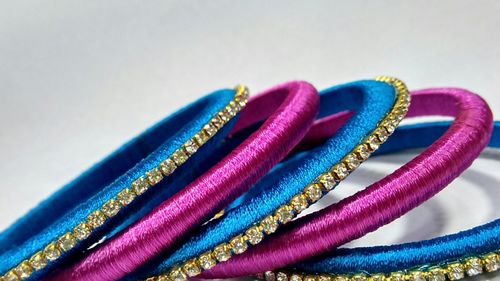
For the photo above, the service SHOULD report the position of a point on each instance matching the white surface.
(79, 78)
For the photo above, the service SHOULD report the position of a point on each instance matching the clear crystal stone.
(179, 157)
(222, 252)
(352, 161)
(295, 277)
(24, 270)
(455, 272)
(436, 275)
(191, 268)
(190, 147)
(328, 181)
(206, 261)
(269, 276)
(210, 130)
(340, 171)
(167, 167)
(52, 252)
(314, 192)
(310, 278)
(111, 208)
(238, 244)
(254, 235)
(154, 176)
(126, 197)
(269, 224)
(96, 219)
(281, 276)
(285, 214)
(11, 276)
(299, 203)
(67, 242)
(38, 261)
(177, 274)
(363, 152)
(140, 186)
(359, 277)
(417, 276)
(491, 263)
(474, 267)
(324, 277)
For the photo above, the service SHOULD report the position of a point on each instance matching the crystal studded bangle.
(267, 130)
(117, 190)
(297, 183)
(452, 149)
(451, 257)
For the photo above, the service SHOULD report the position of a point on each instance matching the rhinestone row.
(311, 194)
(455, 270)
(109, 209)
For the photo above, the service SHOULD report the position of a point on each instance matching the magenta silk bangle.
(385, 200)
(290, 109)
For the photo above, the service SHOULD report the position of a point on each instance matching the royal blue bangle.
(466, 253)
(265, 207)
(105, 198)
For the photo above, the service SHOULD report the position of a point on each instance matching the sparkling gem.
(210, 130)
(24, 270)
(281, 276)
(309, 278)
(328, 181)
(38, 261)
(167, 167)
(82, 231)
(96, 219)
(222, 252)
(363, 152)
(191, 147)
(52, 252)
(382, 134)
(254, 235)
(340, 170)
(373, 142)
(314, 192)
(455, 271)
(285, 214)
(140, 185)
(67, 242)
(154, 176)
(269, 224)
(111, 208)
(224, 116)
(162, 278)
(269, 276)
(417, 276)
(491, 263)
(11, 276)
(359, 277)
(179, 157)
(473, 267)
(206, 261)
(436, 275)
(201, 138)
(191, 268)
(377, 277)
(295, 277)
(299, 203)
(324, 277)
(352, 161)
(217, 122)
(396, 276)
(238, 244)
(177, 274)
(341, 278)
(126, 197)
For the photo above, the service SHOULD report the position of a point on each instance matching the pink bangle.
(290, 110)
(385, 200)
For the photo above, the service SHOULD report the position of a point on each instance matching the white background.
(79, 78)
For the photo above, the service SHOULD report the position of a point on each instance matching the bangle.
(387, 199)
(379, 108)
(118, 189)
(293, 107)
(467, 253)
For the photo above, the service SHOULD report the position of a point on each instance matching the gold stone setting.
(328, 180)
(127, 195)
(454, 270)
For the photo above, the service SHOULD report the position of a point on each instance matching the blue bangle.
(466, 253)
(105, 199)
(265, 207)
